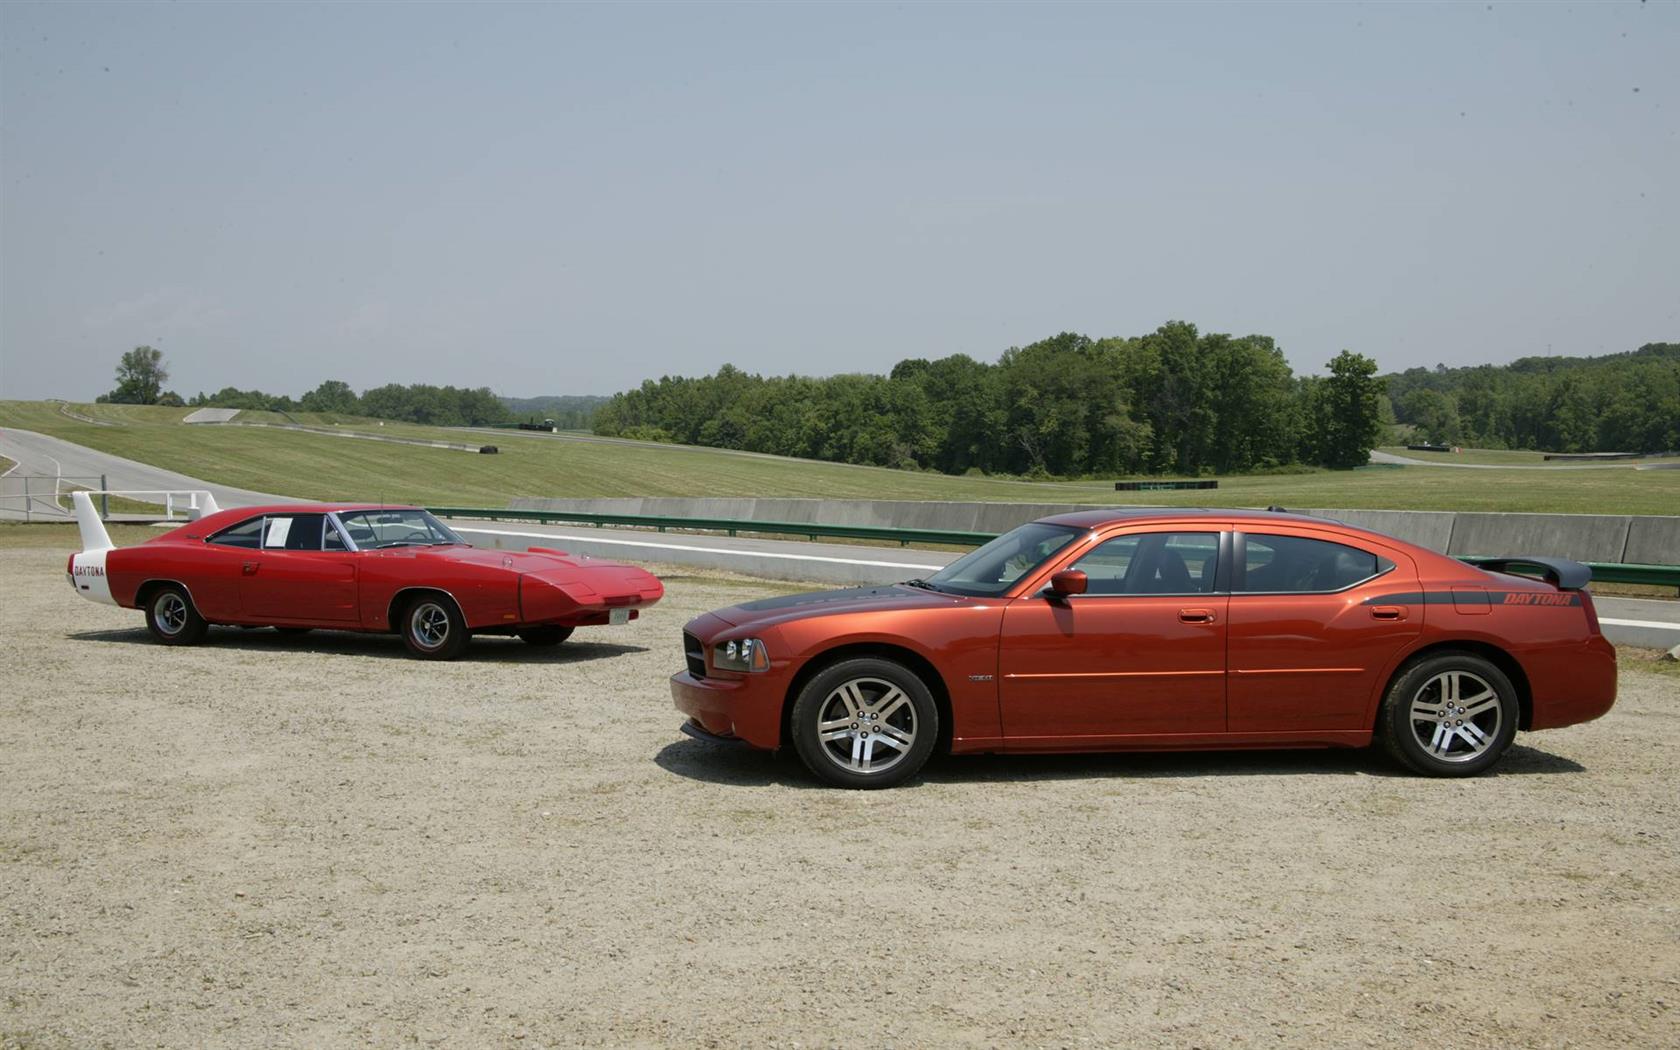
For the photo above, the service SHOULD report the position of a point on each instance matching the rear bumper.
(1571, 684)
(748, 708)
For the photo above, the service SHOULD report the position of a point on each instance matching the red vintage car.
(1158, 629)
(351, 567)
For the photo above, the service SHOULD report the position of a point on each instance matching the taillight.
(70, 566)
(1592, 613)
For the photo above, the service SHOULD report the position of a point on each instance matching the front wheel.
(433, 629)
(1449, 715)
(545, 636)
(865, 723)
(172, 619)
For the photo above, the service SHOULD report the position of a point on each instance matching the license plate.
(618, 616)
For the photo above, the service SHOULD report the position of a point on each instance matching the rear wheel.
(171, 617)
(865, 723)
(545, 636)
(1449, 715)
(433, 628)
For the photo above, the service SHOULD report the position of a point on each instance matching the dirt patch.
(318, 841)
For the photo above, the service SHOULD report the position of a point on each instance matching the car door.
(301, 573)
(1307, 648)
(1141, 653)
(215, 580)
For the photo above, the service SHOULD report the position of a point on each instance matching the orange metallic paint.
(1028, 671)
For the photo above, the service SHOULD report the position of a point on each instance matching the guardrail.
(732, 526)
(1605, 572)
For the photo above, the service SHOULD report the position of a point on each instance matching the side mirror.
(1068, 582)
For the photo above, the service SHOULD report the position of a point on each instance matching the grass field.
(317, 466)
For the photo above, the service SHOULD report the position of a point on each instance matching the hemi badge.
(979, 678)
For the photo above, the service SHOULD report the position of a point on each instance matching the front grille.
(695, 654)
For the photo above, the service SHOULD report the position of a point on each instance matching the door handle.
(1388, 612)
(1195, 616)
(250, 568)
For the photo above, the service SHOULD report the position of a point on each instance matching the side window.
(294, 532)
(1152, 563)
(1295, 564)
(330, 538)
(245, 534)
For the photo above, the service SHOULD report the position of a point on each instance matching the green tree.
(1349, 411)
(140, 377)
(331, 396)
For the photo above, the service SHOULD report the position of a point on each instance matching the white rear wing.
(193, 503)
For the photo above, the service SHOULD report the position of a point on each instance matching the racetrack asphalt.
(48, 457)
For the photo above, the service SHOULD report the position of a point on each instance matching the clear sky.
(570, 199)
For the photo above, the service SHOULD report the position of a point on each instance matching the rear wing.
(1561, 573)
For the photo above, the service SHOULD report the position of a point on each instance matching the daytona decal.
(1562, 599)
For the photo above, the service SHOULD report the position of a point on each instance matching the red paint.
(497, 591)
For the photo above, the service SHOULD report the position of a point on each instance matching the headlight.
(746, 654)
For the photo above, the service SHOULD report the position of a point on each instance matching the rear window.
(1298, 565)
(247, 534)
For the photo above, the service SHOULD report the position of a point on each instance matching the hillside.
(310, 465)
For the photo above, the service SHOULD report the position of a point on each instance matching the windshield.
(1000, 564)
(373, 529)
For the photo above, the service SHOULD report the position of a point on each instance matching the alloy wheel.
(867, 725)
(1456, 716)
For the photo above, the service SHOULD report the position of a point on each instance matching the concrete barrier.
(1652, 541)
(1584, 537)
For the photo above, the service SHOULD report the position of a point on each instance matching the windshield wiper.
(923, 584)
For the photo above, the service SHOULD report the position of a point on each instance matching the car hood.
(539, 560)
(888, 597)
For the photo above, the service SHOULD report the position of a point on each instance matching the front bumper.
(747, 708)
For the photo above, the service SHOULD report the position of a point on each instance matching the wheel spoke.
(1442, 739)
(898, 738)
(890, 703)
(828, 736)
(868, 751)
(857, 753)
(1474, 736)
(852, 698)
(1480, 704)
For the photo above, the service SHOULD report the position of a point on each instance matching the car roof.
(314, 508)
(1091, 519)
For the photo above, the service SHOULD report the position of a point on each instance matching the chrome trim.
(419, 587)
(1239, 548)
(160, 579)
(1339, 590)
(343, 533)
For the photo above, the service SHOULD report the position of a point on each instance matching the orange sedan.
(1158, 630)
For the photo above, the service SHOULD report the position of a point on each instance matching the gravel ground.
(317, 841)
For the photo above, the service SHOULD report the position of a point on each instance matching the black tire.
(172, 618)
(905, 730)
(294, 631)
(1465, 736)
(544, 636)
(432, 627)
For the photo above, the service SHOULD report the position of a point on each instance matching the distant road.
(1407, 461)
(43, 456)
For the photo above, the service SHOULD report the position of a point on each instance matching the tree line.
(141, 375)
(1626, 402)
(1174, 401)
